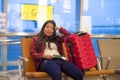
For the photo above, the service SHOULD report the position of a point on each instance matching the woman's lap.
(55, 66)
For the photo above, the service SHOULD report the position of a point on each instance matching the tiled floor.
(10, 75)
(112, 77)
(13, 75)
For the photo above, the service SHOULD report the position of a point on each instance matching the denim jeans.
(54, 67)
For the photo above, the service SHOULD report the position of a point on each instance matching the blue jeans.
(54, 67)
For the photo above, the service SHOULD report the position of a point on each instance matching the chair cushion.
(100, 72)
(38, 74)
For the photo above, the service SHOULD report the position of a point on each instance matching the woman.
(46, 46)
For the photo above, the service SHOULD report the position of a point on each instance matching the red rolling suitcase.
(80, 50)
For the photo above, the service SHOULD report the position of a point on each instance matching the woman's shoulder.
(35, 38)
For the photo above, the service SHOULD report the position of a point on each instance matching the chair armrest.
(100, 58)
(22, 62)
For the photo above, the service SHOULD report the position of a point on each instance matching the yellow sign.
(31, 12)
(45, 13)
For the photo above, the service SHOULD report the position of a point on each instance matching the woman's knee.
(79, 76)
(57, 76)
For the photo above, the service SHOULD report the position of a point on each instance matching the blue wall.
(105, 16)
(1, 5)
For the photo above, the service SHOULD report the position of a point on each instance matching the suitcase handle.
(81, 33)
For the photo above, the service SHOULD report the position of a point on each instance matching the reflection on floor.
(112, 77)
(9, 75)
(13, 75)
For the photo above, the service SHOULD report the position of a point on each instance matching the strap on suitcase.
(71, 51)
(70, 45)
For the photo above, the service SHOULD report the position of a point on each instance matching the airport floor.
(115, 77)
(112, 77)
(13, 75)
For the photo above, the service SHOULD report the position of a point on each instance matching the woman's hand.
(48, 56)
(57, 28)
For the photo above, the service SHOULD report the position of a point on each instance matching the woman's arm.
(63, 31)
(34, 53)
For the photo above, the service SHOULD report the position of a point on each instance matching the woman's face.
(49, 29)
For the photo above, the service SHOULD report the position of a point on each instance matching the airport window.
(102, 16)
(29, 15)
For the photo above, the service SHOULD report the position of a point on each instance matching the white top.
(53, 50)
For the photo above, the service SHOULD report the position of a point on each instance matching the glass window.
(101, 16)
(29, 15)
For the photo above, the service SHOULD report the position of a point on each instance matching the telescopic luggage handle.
(80, 33)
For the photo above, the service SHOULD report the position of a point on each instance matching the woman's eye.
(52, 28)
(47, 26)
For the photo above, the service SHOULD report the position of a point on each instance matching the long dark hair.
(42, 38)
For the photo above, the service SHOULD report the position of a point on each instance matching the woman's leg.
(71, 70)
(52, 69)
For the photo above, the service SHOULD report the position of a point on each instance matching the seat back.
(111, 48)
(26, 46)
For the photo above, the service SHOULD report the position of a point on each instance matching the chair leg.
(104, 77)
(23, 78)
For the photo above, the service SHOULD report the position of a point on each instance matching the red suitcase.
(80, 50)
